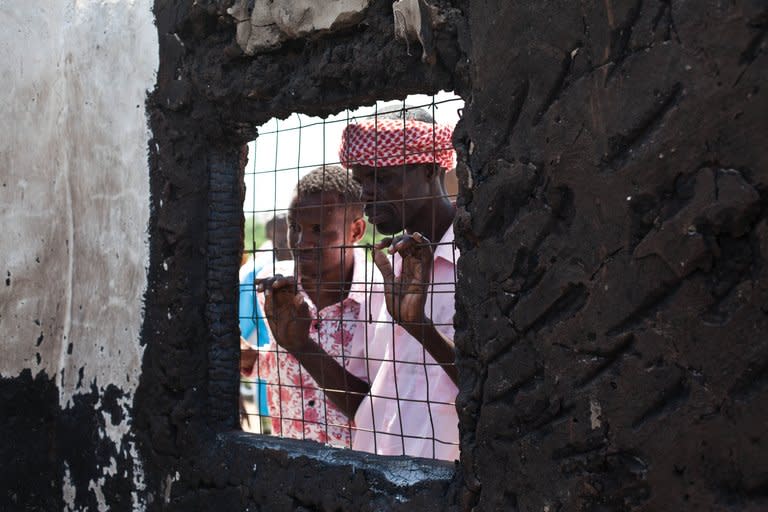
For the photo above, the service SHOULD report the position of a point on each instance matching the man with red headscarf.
(406, 405)
(401, 163)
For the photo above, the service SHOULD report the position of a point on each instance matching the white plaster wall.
(74, 190)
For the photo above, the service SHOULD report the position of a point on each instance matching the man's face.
(391, 194)
(321, 231)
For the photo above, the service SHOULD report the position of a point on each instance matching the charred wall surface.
(613, 359)
(618, 361)
(31, 480)
(210, 98)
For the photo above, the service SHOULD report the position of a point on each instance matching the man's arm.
(289, 320)
(439, 346)
(344, 389)
(248, 357)
(406, 295)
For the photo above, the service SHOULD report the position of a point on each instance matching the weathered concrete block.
(271, 23)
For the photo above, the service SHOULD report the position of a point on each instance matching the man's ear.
(357, 229)
(431, 170)
(434, 172)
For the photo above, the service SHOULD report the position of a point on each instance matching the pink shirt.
(423, 422)
(298, 407)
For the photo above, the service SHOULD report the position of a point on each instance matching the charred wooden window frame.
(225, 232)
(226, 171)
(187, 404)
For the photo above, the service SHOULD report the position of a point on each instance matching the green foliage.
(254, 234)
(368, 237)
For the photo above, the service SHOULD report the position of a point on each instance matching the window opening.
(346, 339)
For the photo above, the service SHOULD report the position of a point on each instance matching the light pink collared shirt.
(411, 407)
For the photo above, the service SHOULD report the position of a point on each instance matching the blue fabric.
(252, 319)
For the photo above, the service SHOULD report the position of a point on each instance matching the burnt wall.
(613, 359)
(209, 99)
(618, 360)
(31, 480)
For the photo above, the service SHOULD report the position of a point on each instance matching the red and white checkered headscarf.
(391, 142)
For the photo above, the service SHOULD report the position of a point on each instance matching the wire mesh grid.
(340, 345)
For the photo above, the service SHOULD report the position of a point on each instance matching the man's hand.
(289, 320)
(248, 357)
(286, 311)
(406, 294)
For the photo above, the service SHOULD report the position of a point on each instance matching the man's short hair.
(331, 179)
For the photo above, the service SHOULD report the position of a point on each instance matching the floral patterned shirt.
(298, 407)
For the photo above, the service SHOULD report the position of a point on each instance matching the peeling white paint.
(111, 470)
(68, 489)
(75, 205)
(595, 412)
(95, 488)
(119, 435)
(168, 486)
(139, 483)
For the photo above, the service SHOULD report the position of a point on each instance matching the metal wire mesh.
(324, 358)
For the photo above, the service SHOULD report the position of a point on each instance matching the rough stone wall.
(74, 210)
(617, 359)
